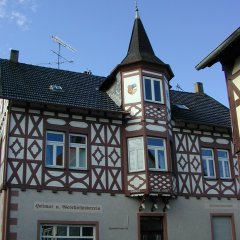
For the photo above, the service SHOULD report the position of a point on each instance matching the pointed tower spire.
(139, 52)
(136, 11)
(140, 48)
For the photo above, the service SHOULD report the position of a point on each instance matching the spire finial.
(136, 9)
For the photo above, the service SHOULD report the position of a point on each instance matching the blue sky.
(182, 33)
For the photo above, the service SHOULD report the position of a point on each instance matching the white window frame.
(78, 146)
(152, 89)
(137, 152)
(221, 161)
(55, 144)
(156, 149)
(208, 159)
(81, 226)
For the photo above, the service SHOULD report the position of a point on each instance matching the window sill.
(227, 179)
(55, 167)
(78, 169)
(210, 178)
(137, 171)
(216, 179)
(158, 170)
(155, 102)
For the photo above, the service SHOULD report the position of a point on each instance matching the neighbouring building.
(228, 54)
(121, 157)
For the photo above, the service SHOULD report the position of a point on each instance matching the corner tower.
(140, 84)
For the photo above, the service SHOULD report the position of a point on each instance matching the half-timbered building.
(116, 157)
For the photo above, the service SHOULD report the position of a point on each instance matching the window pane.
(226, 168)
(72, 160)
(74, 231)
(151, 158)
(207, 152)
(211, 169)
(161, 160)
(205, 168)
(135, 143)
(61, 231)
(59, 156)
(77, 139)
(155, 142)
(148, 91)
(57, 137)
(140, 159)
(47, 230)
(220, 164)
(132, 160)
(222, 154)
(135, 154)
(87, 231)
(82, 158)
(49, 157)
(157, 91)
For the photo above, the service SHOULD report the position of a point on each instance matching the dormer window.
(153, 90)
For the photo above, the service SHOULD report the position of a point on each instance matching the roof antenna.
(59, 56)
(136, 9)
(178, 87)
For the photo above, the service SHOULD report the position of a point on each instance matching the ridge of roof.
(50, 68)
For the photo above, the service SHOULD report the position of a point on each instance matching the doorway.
(151, 228)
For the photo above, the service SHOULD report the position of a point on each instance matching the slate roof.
(202, 109)
(140, 48)
(31, 83)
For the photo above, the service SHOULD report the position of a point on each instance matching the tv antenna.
(178, 87)
(61, 43)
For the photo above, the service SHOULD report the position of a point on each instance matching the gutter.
(211, 58)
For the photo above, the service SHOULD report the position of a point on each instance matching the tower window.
(156, 154)
(135, 154)
(153, 90)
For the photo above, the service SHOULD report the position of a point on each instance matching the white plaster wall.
(186, 220)
(190, 218)
(115, 213)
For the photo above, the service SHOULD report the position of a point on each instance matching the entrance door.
(151, 228)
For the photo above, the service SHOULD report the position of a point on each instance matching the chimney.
(14, 55)
(198, 88)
